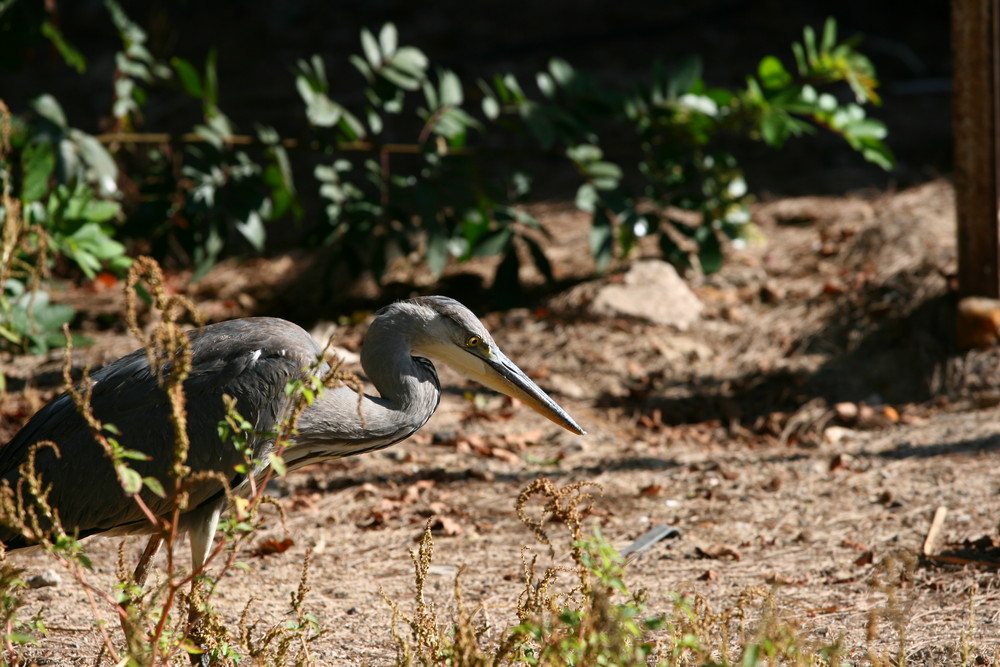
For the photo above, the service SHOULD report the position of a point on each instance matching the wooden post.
(976, 118)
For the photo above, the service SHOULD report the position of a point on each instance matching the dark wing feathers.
(250, 359)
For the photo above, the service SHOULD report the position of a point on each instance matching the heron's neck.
(406, 384)
(408, 395)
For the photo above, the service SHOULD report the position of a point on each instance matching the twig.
(935, 530)
(291, 142)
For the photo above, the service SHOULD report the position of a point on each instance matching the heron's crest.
(445, 319)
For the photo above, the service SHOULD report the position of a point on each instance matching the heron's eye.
(473, 341)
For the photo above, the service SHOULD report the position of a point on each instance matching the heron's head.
(451, 333)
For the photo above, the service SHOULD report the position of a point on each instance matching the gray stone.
(652, 291)
(45, 578)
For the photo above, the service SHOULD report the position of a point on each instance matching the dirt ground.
(800, 435)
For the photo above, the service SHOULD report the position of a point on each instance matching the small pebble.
(44, 578)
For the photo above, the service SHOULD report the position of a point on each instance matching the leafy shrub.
(413, 169)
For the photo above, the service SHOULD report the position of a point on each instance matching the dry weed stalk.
(892, 574)
(154, 635)
(568, 505)
(274, 646)
(168, 350)
(423, 624)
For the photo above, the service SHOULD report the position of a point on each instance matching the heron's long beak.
(508, 379)
(501, 374)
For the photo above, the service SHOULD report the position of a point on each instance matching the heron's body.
(252, 360)
(248, 359)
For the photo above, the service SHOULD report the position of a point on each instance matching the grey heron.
(252, 360)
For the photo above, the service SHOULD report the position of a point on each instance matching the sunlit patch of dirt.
(800, 435)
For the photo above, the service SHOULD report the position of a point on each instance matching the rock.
(978, 322)
(846, 411)
(652, 291)
(45, 578)
(838, 434)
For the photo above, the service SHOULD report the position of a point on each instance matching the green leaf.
(437, 252)
(829, 35)
(601, 239)
(388, 39)
(710, 253)
(772, 73)
(38, 161)
(586, 198)
(72, 57)
(539, 124)
(493, 243)
(188, 77)
(878, 153)
(400, 79)
(48, 108)
(546, 84)
(868, 128)
(451, 89)
(154, 486)
(431, 95)
(561, 71)
(774, 128)
(751, 656)
(351, 126)
(131, 480)
(101, 166)
(277, 463)
(584, 153)
(132, 454)
(411, 61)
(809, 39)
(491, 107)
(800, 59)
(684, 77)
(322, 111)
(605, 170)
(370, 47)
(253, 230)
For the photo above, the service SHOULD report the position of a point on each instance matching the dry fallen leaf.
(446, 526)
(271, 546)
(651, 490)
(414, 491)
(105, 280)
(867, 558)
(709, 575)
(304, 501)
(851, 544)
(506, 455)
(719, 551)
(841, 462)
(521, 441)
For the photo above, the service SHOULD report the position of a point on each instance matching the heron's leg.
(141, 572)
(142, 567)
(203, 523)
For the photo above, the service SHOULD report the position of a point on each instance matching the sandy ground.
(741, 432)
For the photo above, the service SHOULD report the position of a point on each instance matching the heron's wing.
(251, 360)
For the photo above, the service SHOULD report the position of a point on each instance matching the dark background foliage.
(258, 44)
